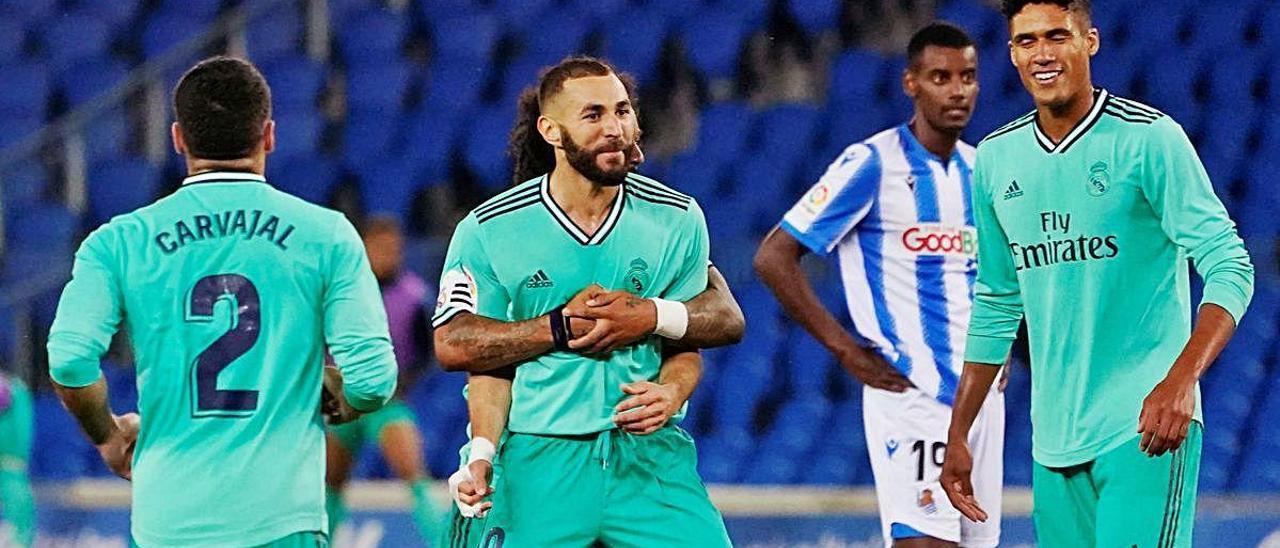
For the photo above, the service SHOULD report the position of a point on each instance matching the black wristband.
(559, 328)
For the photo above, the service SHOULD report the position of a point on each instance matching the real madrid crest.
(638, 276)
(1099, 179)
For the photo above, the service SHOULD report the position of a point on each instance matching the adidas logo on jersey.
(539, 280)
(1013, 191)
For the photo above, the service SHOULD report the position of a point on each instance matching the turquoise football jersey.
(517, 256)
(1088, 239)
(230, 291)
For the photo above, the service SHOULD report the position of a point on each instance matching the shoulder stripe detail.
(648, 192)
(1131, 112)
(1006, 130)
(508, 208)
(684, 206)
(1134, 105)
(650, 184)
(503, 200)
(1131, 118)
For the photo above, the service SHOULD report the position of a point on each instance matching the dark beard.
(585, 162)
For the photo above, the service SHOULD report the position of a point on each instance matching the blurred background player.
(407, 299)
(230, 290)
(17, 504)
(896, 207)
(572, 472)
(1088, 209)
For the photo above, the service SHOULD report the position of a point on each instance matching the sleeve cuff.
(804, 238)
(1231, 299)
(988, 350)
(75, 375)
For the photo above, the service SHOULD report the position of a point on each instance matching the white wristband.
(673, 319)
(481, 449)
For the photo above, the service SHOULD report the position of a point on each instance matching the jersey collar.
(1100, 97)
(915, 149)
(562, 218)
(224, 177)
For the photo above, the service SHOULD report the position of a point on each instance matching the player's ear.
(909, 84)
(269, 136)
(179, 144)
(1094, 40)
(550, 131)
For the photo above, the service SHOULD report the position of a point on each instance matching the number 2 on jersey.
(246, 321)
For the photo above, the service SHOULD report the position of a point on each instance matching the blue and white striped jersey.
(901, 221)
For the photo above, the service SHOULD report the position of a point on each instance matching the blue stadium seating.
(637, 46)
(552, 38)
(277, 33)
(22, 184)
(815, 16)
(465, 37)
(26, 91)
(368, 136)
(387, 185)
(309, 177)
(380, 87)
(121, 186)
(372, 37)
(115, 13)
(484, 148)
(165, 29)
(296, 82)
(712, 41)
(74, 38)
(12, 39)
(91, 78)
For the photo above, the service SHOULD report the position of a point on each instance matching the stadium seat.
(484, 148)
(30, 11)
(22, 184)
(454, 85)
(43, 227)
(553, 38)
(372, 37)
(723, 129)
(786, 132)
(527, 17)
(274, 34)
(60, 451)
(12, 40)
(19, 126)
(1168, 86)
(165, 29)
(712, 41)
(759, 189)
(73, 38)
(120, 186)
(1162, 22)
(983, 24)
(368, 135)
(202, 10)
(1222, 29)
(465, 37)
(304, 175)
(296, 82)
(107, 136)
(378, 88)
(298, 130)
(815, 16)
(637, 46)
(1231, 85)
(91, 79)
(855, 78)
(1116, 69)
(520, 73)
(115, 13)
(387, 185)
(430, 137)
(26, 90)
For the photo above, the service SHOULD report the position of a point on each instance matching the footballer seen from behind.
(230, 290)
